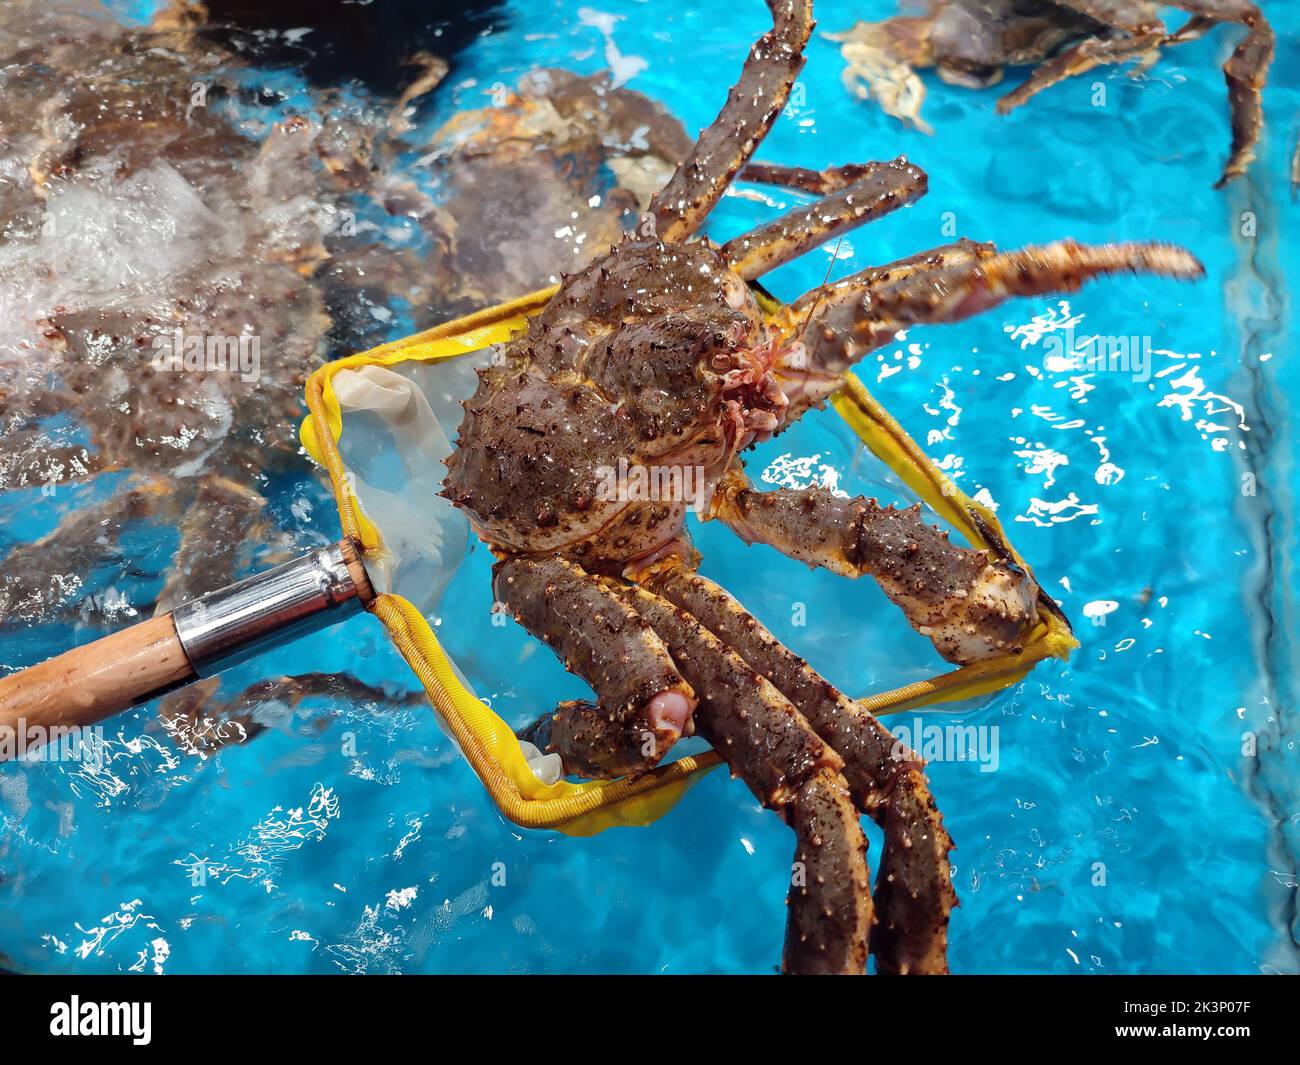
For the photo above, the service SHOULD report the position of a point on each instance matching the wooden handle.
(90, 683)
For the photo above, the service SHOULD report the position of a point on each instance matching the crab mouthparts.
(752, 396)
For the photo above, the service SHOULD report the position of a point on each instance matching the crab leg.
(29, 457)
(881, 188)
(724, 147)
(854, 317)
(818, 182)
(806, 385)
(1246, 71)
(831, 328)
(800, 314)
(1192, 30)
(959, 253)
(970, 606)
(43, 579)
(914, 894)
(790, 770)
(829, 915)
(958, 291)
(645, 705)
(213, 529)
(1083, 57)
(1133, 19)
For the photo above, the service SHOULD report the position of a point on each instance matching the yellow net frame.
(488, 743)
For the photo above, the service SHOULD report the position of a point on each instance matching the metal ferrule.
(234, 623)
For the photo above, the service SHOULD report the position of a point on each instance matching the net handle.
(87, 684)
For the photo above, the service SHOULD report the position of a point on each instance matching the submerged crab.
(142, 222)
(657, 356)
(145, 196)
(969, 42)
(539, 182)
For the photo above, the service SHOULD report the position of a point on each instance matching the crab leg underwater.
(770, 745)
(644, 702)
(970, 606)
(970, 41)
(914, 894)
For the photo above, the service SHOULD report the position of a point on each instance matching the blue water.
(1123, 830)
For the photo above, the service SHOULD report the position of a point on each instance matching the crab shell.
(652, 366)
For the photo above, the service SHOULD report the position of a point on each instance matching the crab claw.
(645, 706)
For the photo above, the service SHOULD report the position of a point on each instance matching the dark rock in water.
(335, 41)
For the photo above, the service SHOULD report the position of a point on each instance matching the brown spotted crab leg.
(805, 179)
(752, 106)
(806, 385)
(914, 893)
(90, 536)
(970, 605)
(832, 328)
(859, 318)
(1073, 62)
(645, 705)
(199, 721)
(879, 188)
(792, 771)
(1246, 72)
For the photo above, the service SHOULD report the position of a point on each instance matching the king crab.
(658, 355)
(969, 42)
